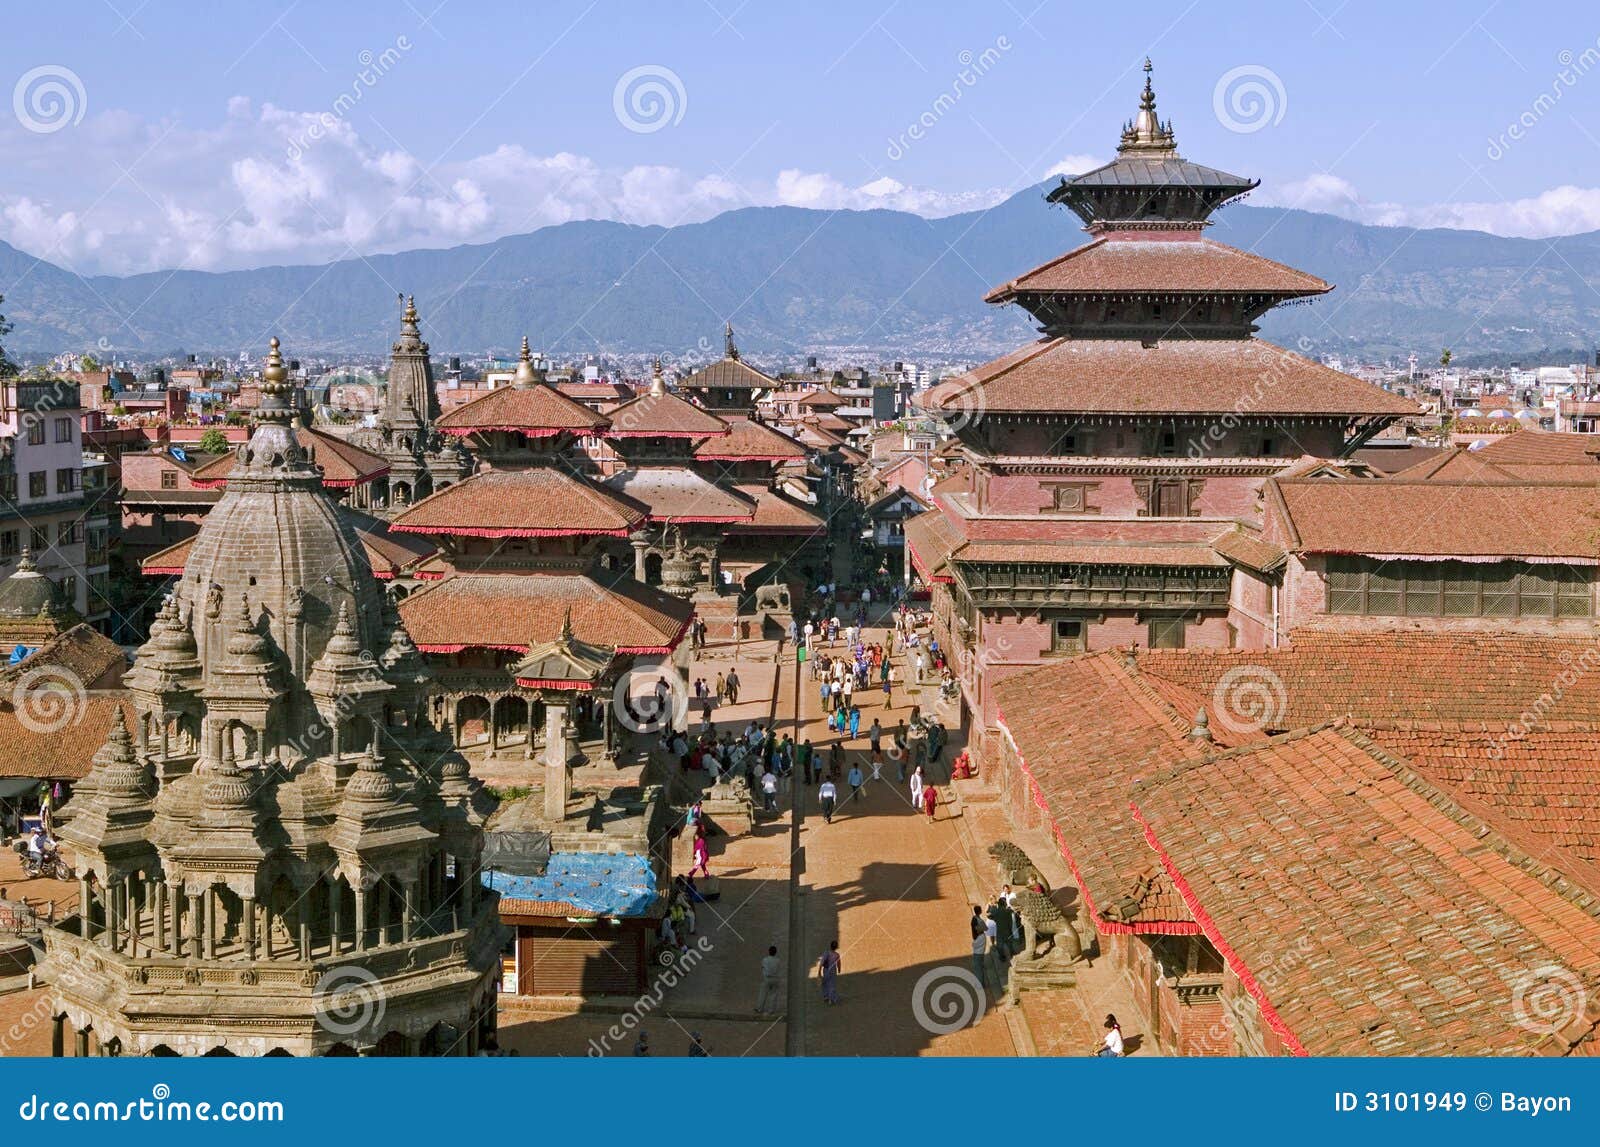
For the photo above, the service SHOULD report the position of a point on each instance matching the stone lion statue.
(1015, 867)
(1041, 919)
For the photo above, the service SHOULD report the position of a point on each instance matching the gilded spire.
(527, 373)
(729, 349)
(658, 384)
(276, 388)
(1145, 132)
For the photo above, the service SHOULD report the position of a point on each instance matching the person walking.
(807, 757)
(722, 687)
(916, 786)
(855, 722)
(980, 949)
(829, 964)
(769, 790)
(877, 763)
(702, 851)
(733, 686)
(771, 967)
(827, 794)
(888, 686)
(875, 735)
(855, 781)
(930, 802)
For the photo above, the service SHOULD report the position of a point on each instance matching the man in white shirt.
(827, 794)
(771, 967)
(769, 789)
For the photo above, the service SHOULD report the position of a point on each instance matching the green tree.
(88, 362)
(213, 441)
(1445, 356)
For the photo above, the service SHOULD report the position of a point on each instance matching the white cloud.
(1564, 210)
(1075, 164)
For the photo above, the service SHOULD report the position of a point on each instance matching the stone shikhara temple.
(1113, 468)
(280, 857)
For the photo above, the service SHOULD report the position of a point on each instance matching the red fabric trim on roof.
(429, 575)
(458, 647)
(1240, 969)
(161, 571)
(665, 434)
(525, 431)
(542, 683)
(491, 532)
(705, 457)
(922, 568)
(668, 519)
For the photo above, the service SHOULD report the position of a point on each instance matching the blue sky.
(214, 135)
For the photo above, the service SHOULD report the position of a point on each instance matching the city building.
(42, 499)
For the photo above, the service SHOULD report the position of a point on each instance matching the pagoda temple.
(420, 459)
(730, 385)
(1114, 466)
(528, 545)
(281, 855)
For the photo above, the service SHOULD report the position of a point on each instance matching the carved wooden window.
(1067, 635)
(1166, 633)
(1365, 586)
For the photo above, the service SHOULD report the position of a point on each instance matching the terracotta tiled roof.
(1451, 677)
(1164, 264)
(1395, 459)
(1544, 448)
(930, 538)
(537, 502)
(343, 463)
(820, 398)
(1087, 729)
(1247, 548)
(1366, 911)
(748, 440)
(664, 415)
(776, 514)
(39, 750)
(1440, 518)
(536, 410)
(516, 611)
(93, 660)
(1180, 376)
(677, 494)
(1454, 463)
(389, 553)
(1090, 553)
(1540, 785)
(729, 373)
(595, 391)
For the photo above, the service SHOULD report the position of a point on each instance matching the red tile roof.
(1530, 447)
(776, 514)
(537, 411)
(1247, 548)
(1441, 518)
(749, 441)
(542, 501)
(389, 553)
(35, 746)
(1180, 376)
(1366, 912)
(343, 463)
(677, 494)
(664, 415)
(1164, 263)
(729, 374)
(87, 657)
(517, 611)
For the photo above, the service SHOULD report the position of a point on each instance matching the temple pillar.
(248, 926)
(58, 1036)
(557, 782)
(361, 918)
(407, 908)
(494, 725)
(158, 909)
(208, 924)
(335, 914)
(85, 907)
(80, 1043)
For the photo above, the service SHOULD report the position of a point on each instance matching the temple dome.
(27, 593)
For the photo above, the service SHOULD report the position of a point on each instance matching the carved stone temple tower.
(421, 460)
(276, 855)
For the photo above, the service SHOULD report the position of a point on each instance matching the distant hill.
(869, 283)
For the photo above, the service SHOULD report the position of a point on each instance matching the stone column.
(175, 919)
(408, 908)
(335, 915)
(132, 915)
(58, 1036)
(557, 783)
(248, 926)
(158, 909)
(208, 924)
(80, 1042)
(113, 920)
(361, 918)
(85, 907)
(303, 919)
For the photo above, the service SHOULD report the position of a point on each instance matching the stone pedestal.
(1052, 970)
(730, 806)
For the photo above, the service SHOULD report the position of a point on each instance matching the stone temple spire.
(729, 349)
(276, 388)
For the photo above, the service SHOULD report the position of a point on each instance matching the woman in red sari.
(930, 801)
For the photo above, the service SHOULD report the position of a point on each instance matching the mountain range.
(850, 285)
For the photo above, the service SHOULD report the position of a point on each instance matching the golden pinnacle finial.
(658, 382)
(525, 374)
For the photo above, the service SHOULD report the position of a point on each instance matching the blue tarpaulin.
(601, 884)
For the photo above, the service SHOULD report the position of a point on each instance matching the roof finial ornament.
(1145, 132)
(408, 319)
(275, 386)
(729, 349)
(566, 628)
(526, 375)
(658, 383)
